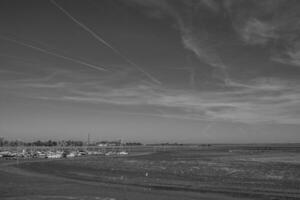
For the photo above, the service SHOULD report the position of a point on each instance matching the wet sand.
(187, 174)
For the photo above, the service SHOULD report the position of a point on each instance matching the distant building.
(102, 144)
(109, 143)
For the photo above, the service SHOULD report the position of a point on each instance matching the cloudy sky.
(150, 70)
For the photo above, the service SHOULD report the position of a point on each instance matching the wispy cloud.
(264, 23)
(250, 100)
(262, 100)
(194, 35)
(258, 32)
(255, 22)
(290, 57)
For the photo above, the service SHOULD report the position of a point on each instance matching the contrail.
(101, 40)
(53, 53)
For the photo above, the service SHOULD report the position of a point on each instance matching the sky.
(193, 71)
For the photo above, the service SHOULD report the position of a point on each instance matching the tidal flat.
(187, 172)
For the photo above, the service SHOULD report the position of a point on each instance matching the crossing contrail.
(101, 40)
(53, 53)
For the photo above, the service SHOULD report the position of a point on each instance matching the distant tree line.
(133, 143)
(166, 144)
(49, 143)
(52, 143)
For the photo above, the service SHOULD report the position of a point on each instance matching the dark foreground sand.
(18, 184)
(214, 173)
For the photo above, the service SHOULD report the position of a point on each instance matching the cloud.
(261, 100)
(193, 33)
(290, 57)
(198, 46)
(255, 22)
(258, 32)
(272, 24)
(43, 85)
(294, 57)
(255, 100)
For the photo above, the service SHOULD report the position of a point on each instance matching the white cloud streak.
(194, 37)
(264, 23)
(258, 32)
(290, 57)
(53, 54)
(102, 41)
(262, 100)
